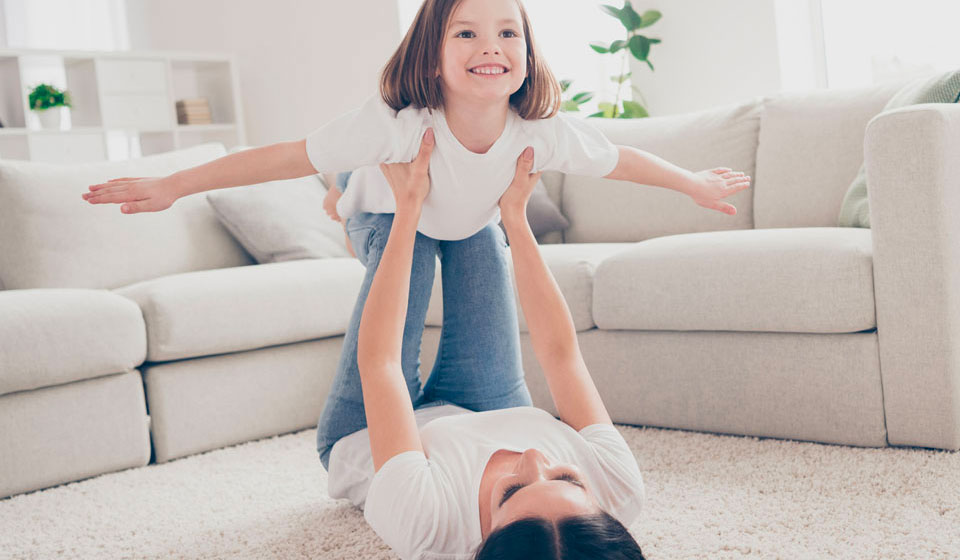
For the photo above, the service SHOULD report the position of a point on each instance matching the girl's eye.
(513, 34)
(462, 32)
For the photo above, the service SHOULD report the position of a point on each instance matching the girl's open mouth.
(489, 70)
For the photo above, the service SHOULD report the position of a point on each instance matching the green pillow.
(943, 88)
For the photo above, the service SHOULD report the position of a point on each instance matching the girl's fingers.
(426, 148)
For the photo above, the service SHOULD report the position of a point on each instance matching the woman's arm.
(706, 188)
(285, 160)
(390, 419)
(548, 318)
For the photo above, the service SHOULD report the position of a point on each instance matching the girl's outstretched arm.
(706, 188)
(548, 318)
(284, 160)
(390, 421)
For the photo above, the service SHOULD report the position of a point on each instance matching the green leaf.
(634, 110)
(615, 12)
(599, 47)
(617, 45)
(621, 78)
(654, 41)
(583, 96)
(564, 84)
(630, 18)
(649, 18)
(639, 47)
(598, 114)
(650, 64)
(569, 105)
(609, 110)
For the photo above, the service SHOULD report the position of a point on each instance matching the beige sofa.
(773, 322)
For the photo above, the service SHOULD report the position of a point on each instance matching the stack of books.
(193, 111)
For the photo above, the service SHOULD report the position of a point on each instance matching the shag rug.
(708, 496)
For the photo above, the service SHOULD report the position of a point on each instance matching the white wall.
(301, 63)
(713, 53)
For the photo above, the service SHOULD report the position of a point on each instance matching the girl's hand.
(410, 182)
(330, 202)
(137, 194)
(713, 184)
(513, 202)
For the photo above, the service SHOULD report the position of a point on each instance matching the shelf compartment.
(209, 79)
(78, 147)
(81, 76)
(11, 98)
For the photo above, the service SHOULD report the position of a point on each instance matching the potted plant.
(46, 100)
(633, 43)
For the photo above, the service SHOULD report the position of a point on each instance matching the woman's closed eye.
(513, 488)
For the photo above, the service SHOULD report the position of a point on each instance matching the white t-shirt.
(465, 186)
(429, 507)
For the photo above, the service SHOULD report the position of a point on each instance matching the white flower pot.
(50, 118)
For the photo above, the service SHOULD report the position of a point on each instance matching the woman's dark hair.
(580, 537)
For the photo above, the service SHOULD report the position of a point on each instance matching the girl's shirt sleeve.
(623, 492)
(404, 504)
(573, 145)
(372, 134)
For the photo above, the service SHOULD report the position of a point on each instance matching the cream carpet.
(708, 496)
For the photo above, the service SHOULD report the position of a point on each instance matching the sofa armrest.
(912, 158)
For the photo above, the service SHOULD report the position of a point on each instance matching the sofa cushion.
(243, 308)
(50, 237)
(55, 336)
(602, 210)
(280, 221)
(804, 280)
(572, 265)
(811, 145)
(940, 88)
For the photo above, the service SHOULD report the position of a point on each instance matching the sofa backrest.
(811, 147)
(601, 210)
(51, 238)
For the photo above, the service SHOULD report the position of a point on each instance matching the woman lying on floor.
(437, 479)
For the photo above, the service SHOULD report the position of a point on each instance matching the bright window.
(873, 41)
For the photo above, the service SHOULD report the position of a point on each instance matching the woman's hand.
(137, 194)
(410, 182)
(713, 184)
(513, 202)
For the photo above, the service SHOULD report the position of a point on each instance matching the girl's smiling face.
(484, 54)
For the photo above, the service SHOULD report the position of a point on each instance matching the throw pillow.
(942, 88)
(280, 221)
(50, 237)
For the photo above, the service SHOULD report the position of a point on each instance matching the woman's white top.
(426, 505)
(465, 186)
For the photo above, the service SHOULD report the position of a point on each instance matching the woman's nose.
(532, 464)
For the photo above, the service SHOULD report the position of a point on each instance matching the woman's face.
(538, 488)
(483, 36)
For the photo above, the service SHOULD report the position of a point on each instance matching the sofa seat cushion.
(573, 266)
(59, 335)
(802, 280)
(232, 309)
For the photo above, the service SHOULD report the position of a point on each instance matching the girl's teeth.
(488, 71)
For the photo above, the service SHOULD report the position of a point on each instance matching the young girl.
(468, 72)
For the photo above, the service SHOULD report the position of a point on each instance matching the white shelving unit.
(124, 103)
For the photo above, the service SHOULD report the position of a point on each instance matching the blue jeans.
(478, 363)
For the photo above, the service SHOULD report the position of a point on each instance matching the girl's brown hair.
(410, 76)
